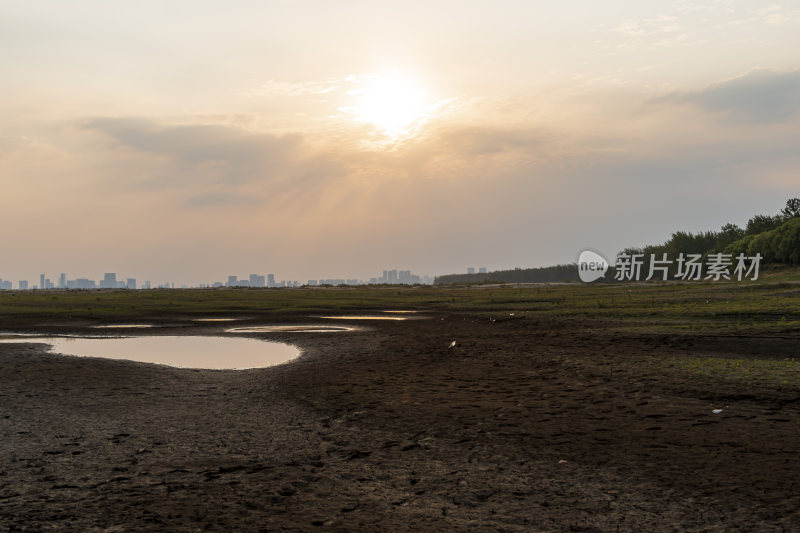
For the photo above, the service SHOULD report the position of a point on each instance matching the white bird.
(452, 345)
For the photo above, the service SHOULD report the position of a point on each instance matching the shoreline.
(529, 424)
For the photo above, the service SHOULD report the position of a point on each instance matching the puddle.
(365, 317)
(220, 353)
(291, 329)
(115, 326)
(215, 319)
(401, 311)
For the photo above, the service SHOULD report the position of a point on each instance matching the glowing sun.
(391, 104)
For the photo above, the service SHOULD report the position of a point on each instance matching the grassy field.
(771, 304)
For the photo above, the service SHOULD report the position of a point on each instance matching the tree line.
(776, 237)
(549, 274)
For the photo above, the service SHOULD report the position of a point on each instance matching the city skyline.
(110, 281)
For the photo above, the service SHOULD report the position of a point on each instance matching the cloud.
(761, 96)
(287, 88)
(211, 165)
(221, 199)
(244, 155)
(648, 27)
(479, 140)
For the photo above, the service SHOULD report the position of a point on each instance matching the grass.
(769, 305)
(786, 372)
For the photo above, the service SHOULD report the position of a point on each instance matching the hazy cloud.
(288, 88)
(219, 164)
(650, 26)
(243, 155)
(221, 199)
(760, 96)
(478, 140)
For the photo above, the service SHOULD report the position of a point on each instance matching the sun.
(392, 104)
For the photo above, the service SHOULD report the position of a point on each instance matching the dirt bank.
(526, 425)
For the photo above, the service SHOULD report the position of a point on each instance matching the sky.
(187, 141)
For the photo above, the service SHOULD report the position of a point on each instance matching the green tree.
(727, 235)
(761, 223)
(780, 245)
(792, 209)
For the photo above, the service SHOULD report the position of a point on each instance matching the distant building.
(62, 281)
(312, 283)
(83, 283)
(404, 276)
(109, 281)
(270, 280)
(41, 281)
(482, 270)
(130, 283)
(23, 285)
(256, 280)
(232, 281)
(471, 270)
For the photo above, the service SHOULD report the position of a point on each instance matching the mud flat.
(528, 424)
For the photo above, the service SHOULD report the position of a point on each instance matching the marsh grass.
(766, 371)
(770, 305)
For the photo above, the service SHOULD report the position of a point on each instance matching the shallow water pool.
(231, 353)
(309, 328)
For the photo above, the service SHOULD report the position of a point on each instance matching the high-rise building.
(41, 282)
(83, 283)
(471, 270)
(130, 283)
(62, 281)
(482, 270)
(109, 281)
(392, 278)
(256, 280)
(232, 281)
(23, 285)
(271, 280)
(405, 277)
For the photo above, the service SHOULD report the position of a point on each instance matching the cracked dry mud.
(526, 425)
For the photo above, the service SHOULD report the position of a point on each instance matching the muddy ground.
(527, 425)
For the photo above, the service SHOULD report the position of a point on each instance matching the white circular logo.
(591, 266)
